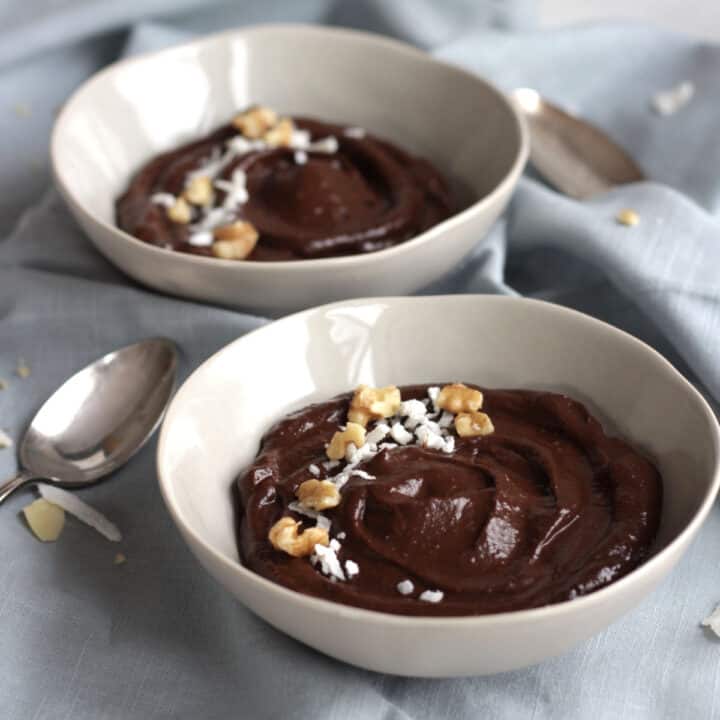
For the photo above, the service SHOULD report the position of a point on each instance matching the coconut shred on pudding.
(446, 500)
(271, 188)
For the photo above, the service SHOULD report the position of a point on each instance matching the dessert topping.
(284, 536)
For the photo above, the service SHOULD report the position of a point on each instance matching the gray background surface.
(156, 638)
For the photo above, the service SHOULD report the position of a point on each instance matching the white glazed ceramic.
(136, 108)
(214, 426)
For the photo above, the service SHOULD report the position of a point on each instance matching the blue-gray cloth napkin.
(155, 638)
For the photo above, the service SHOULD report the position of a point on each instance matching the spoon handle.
(10, 486)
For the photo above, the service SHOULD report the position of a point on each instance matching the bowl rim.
(349, 35)
(311, 603)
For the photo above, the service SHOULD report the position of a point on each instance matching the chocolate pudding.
(413, 501)
(266, 188)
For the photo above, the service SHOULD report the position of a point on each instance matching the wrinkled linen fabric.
(156, 638)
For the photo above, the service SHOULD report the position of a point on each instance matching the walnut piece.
(353, 433)
(255, 122)
(318, 494)
(284, 536)
(199, 191)
(628, 217)
(281, 134)
(458, 398)
(473, 424)
(22, 370)
(180, 211)
(235, 241)
(373, 404)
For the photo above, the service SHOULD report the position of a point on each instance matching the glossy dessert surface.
(539, 507)
(301, 187)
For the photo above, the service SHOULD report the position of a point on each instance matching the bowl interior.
(214, 426)
(143, 106)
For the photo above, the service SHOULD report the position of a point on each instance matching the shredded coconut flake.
(299, 508)
(387, 446)
(713, 621)
(432, 596)
(236, 190)
(212, 166)
(235, 195)
(340, 480)
(358, 455)
(405, 587)
(432, 426)
(668, 102)
(240, 145)
(350, 450)
(327, 145)
(429, 439)
(341, 535)
(300, 157)
(351, 568)
(356, 133)
(5, 440)
(363, 474)
(81, 510)
(400, 435)
(321, 520)
(414, 409)
(331, 464)
(446, 419)
(314, 470)
(300, 139)
(433, 393)
(201, 239)
(162, 198)
(378, 433)
(328, 560)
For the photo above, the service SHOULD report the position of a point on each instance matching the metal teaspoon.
(98, 418)
(571, 154)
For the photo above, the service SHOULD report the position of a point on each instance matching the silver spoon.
(98, 418)
(571, 154)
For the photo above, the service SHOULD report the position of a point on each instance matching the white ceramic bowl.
(214, 425)
(137, 108)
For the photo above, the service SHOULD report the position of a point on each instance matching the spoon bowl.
(99, 418)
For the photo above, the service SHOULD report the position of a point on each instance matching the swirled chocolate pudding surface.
(265, 188)
(521, 505)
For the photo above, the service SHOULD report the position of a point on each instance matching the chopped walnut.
(457, 398)
(353, 433)
(180, 211)
(235, 241)
(255, 122)
(284, 536)
(628, 217)
(199, 191)
(22, 370)
(318, 494)
(373, 404)
(473, 424)
(281, 135)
